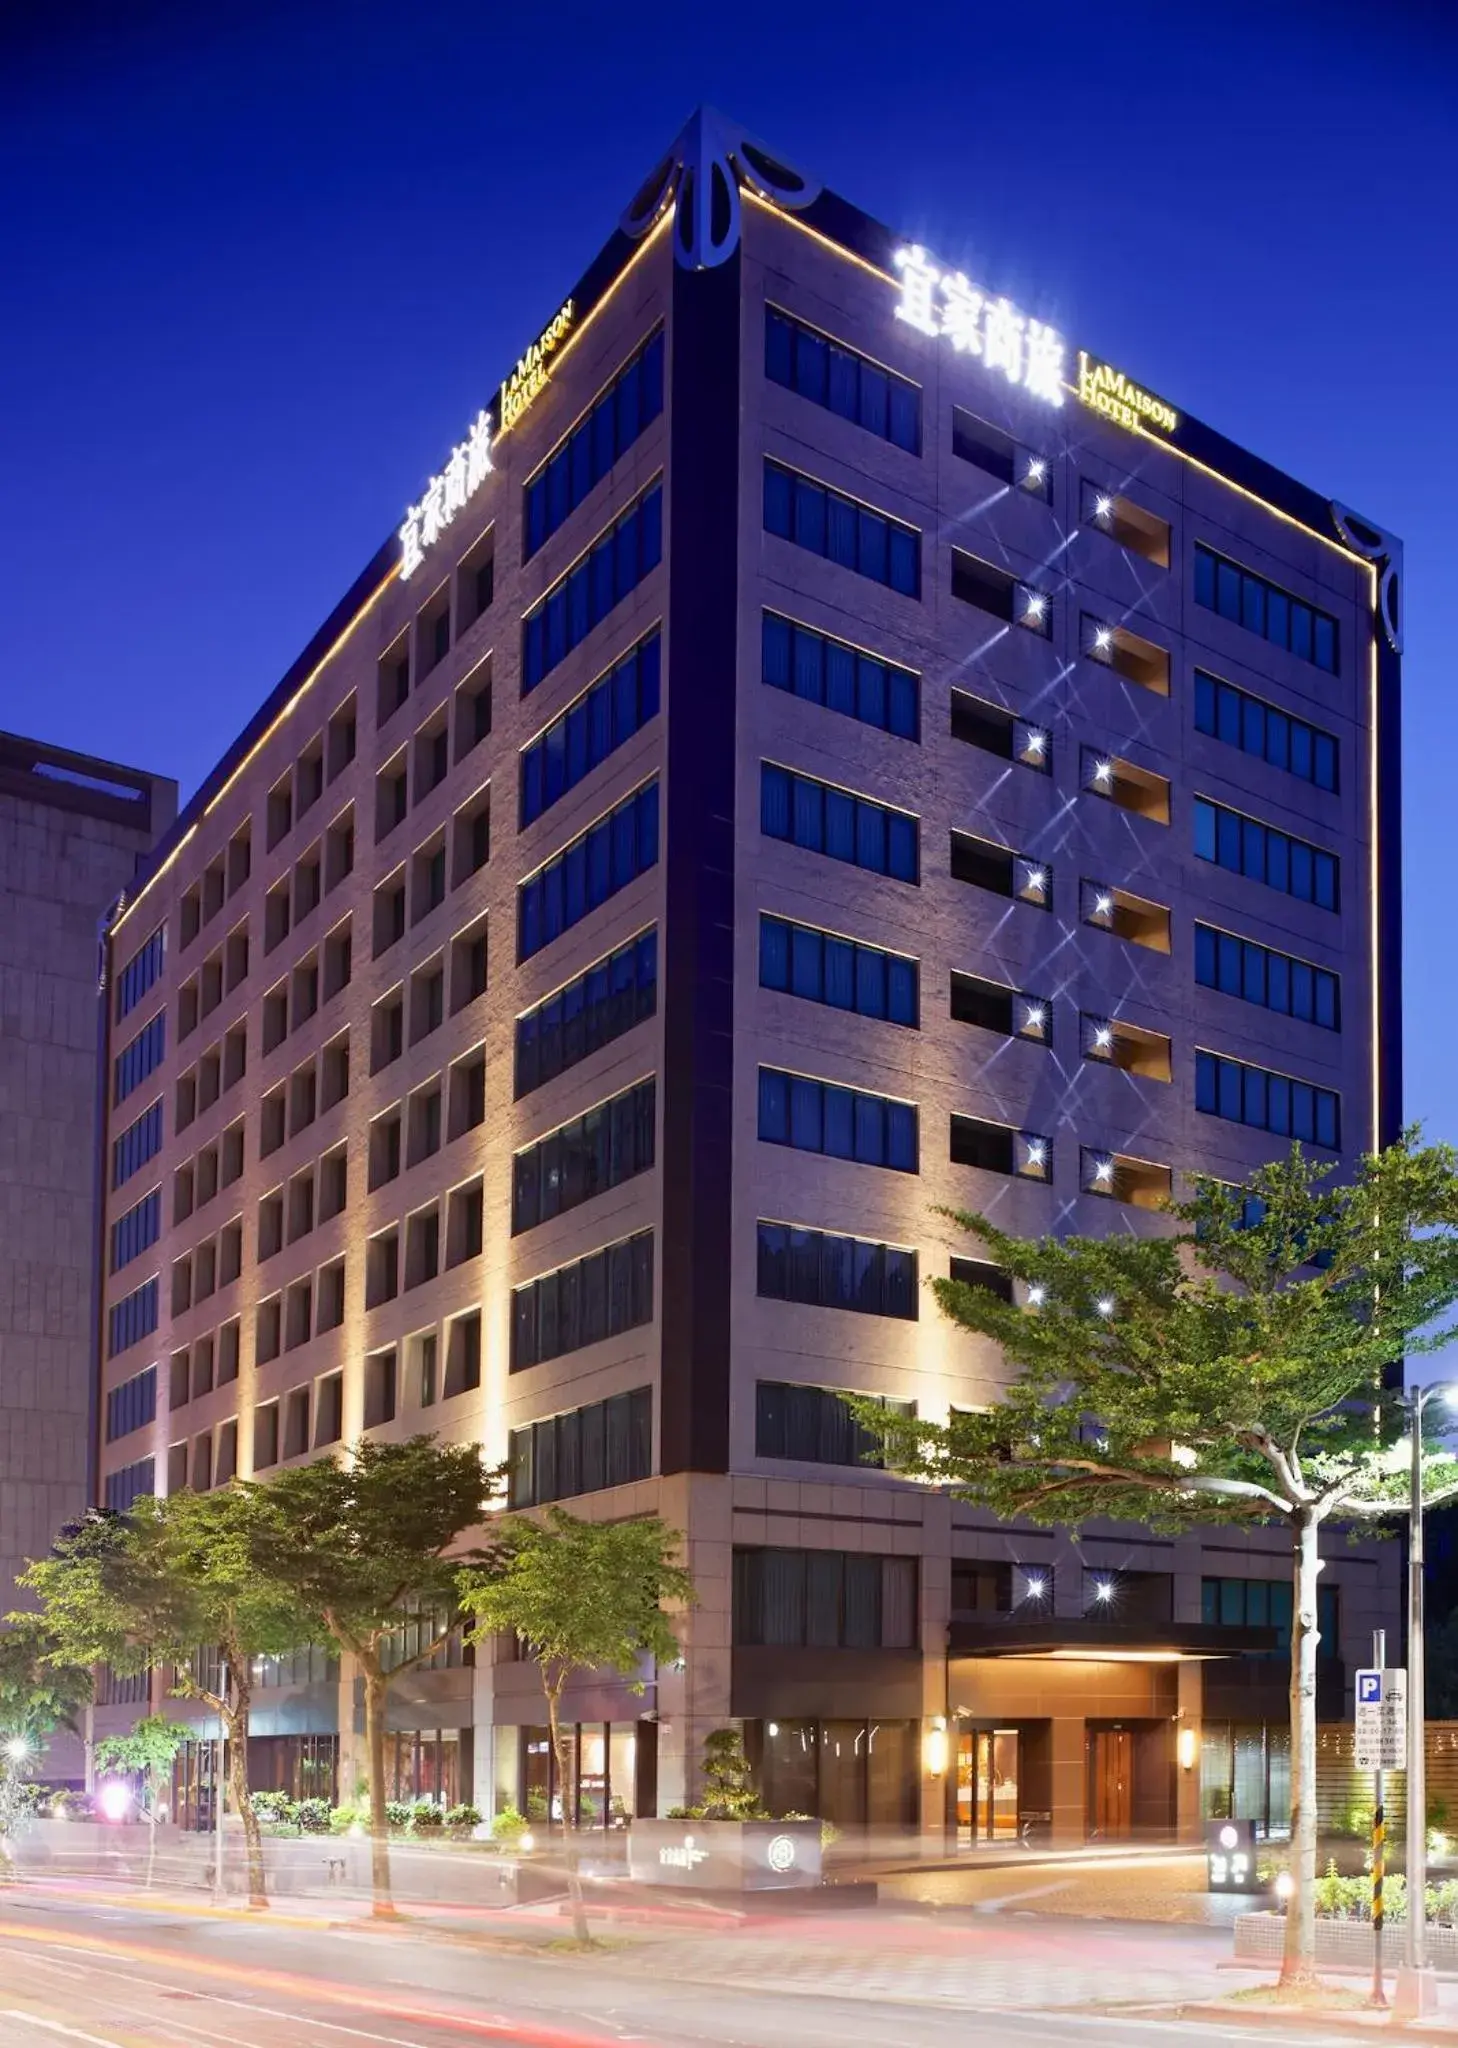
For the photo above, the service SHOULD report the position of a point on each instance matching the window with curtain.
(824, 1599)
(1258, 974)
(844, 382)
(1241, 720)
(845, 1123)
(1262, 854)
(596, 865)
(1245, 1094)
(841, 973)
(595, 585)
(602, 1294)
(631, 401)
(826, 523)
(824, 671)
(822, 818)
(824, 1270)
(1265, 608)
(607, 715)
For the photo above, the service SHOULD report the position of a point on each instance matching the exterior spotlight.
(1036, 742)
(1104, 1170)
(1103, 1038)
(1036, 1588)
(1036, 606)
(1103, 771)
(1038, 880)
(1037, 1152)
(1036, 1018)
(1103, 906)
(1103, 640)
(115, 1800)
(1186, 1747)
(1037, 1293)
(1103, 506)
(773, 1730)
(1104, 1590)
(1037, 470)
(17, 1749)
(1285, 1885)
(1105, 1305)
(526, 1841)
(936, 1750)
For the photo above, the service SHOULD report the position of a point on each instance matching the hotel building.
(823, 748)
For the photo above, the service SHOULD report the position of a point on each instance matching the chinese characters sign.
(529, 379)
(446, 495)
(1027, 352)
(1108, 391)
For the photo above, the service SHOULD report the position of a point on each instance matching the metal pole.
(1378, 1996)
(219, 1751)
(1415, 1989)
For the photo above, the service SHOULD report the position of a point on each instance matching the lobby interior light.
(935, 1749)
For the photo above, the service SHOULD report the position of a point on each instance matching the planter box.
(725, 1855)
(1341, 1944)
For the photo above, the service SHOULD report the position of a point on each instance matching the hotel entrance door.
(987, 1784)
(1111, 1783)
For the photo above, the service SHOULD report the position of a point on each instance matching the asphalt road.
(75, 1971)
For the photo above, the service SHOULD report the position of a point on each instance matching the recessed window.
(272, 1124)
(816, 1426)
(1119, 782)
(387, 1030)
(240, 857)
(277, 916)
(1123, 1179)
(427, 1000)
(433, 633)
(299, 1316)
(976, 723)
(1010, 1012)
(432, 754)
(1000, 594)
(422, 1246)
(476, 581)
(268, 1329)
(339, 849)
(1127, 916)
(1001, 871)
(296, 1423)
(342, 739)
(334, 1072)
(304, 999)
(394, 680)
(428, 888)
(464, 1223)
(424, 1122)
(303, 1098)
(384, 1149)
(308, 883)
(382, 1268)
(392, 798)
(998, 455)
(333, 1183)
(236, 957)
(471, 837)
(473, 710)
(338, 959)
(1131, 526)
(468, 965)
(389, 912)
(271, 1224)
(463, 1355)
(999, 1148)
(982, 1273)
(280, 811)
(1127, 653)
(468, 1093)
(329, 1410)
(822, 1269)
(309, 777)
(1117, 1043)
(379, 1389)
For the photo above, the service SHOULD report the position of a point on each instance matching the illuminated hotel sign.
(528, 380)
(446, 495)
(1027, 352)
(1103, 389)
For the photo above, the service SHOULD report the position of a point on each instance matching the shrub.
(348, 1816)
(425, 1815)
(273, 1805)
(508, 1825)
(314, 1816)
(397, 1813)
(459, 1819)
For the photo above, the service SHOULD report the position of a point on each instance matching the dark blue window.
(823, 1270)
(845, 1123)
(836, 822)
(596, 865)
(1245, 1094)
(138, 1143)
(613, 566)
(597, 1296)
(1259, 728)
(825, 523)
(608, 1145)
(133, 1233)
(125, 1487)
(583, 458)
(825, 671)
(140, 972)
(613, 995)
(1264, 608)
(132, 1405)
(606, 715)
(609, 1443)
(132, 1319)
(801, 961)
(1257, 974)
(829, 374)
(140, 1058)
(1262, 854)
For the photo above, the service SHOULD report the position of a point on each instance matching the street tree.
(147, 1752)
(177, 1584)
(1236, 1367)
(580, 1596)
(39, 1693)
(361, 1543)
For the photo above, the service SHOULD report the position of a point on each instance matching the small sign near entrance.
(1382, 1719)
(1230, 1864)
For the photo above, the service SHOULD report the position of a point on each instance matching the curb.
(1348, 2022)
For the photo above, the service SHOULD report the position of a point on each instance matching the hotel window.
(798, 960)
(982, 1273)
(998, 869)
(1258, 728)
(583, 457)
(599, 1295)
(140, 972)
(1138, 790)
(140, 1058)
(842, 1123)
(1128, 524)
(1133, 918)
(998, 1148)
(609, 1443)
(1249, 600)
(1114, 1042)
(815, 1426)
(606, 716)
(132, 1405)
(847, 384)
(827, 523)
(836, 822)
(473, 710)
(132, 1318)
(1259, 974)
(824, 1599)
(1119, 1178)
(127, 1486)
(992, 450)
(612, 568)
(1262, 854)
(133, 1233)
(138, 1143)
(1000, 732)
(598, 863)
(1127, 653)
(1010, 1012)
(600, 1005)
(828, 672)
(822, 1270)
(612, 1143)
(1267, 1101)
(1266, 1603)
(999, 593)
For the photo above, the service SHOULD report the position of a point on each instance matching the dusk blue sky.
(258, 274)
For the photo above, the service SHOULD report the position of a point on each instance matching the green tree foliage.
(361, 1545)
(39, 1693)
(172, 1579)
(581, 1596)
(1232, 1368)
(146, 1753)
(729, 1788)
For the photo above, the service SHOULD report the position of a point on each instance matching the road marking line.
(54, 2027)
(1036, 1891)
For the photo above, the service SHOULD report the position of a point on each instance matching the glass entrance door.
(987, 1784)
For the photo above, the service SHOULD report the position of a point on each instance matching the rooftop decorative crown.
(701, 176)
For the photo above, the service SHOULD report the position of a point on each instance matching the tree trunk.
(149, 1786)
(374, 1705)
(1298, 1964)
(569, 1820)
(237, 1733)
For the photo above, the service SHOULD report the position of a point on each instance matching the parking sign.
(1381, 1702)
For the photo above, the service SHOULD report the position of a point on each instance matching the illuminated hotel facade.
(824, 747)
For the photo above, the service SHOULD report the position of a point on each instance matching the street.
(119, 1975)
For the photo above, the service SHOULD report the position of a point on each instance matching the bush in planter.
(460, 1820)
(348, 1816)
(508, 1826)
(426, 1816)
(730, 1792)
(397, 1814)
(313, 1816)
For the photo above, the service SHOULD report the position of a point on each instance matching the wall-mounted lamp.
(935, 1749)
(1186, 1748)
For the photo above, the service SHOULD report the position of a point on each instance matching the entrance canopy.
(1128, 1642)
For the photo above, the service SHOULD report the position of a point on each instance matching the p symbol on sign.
(1369, 1688)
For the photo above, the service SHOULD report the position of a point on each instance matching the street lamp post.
(1416, 1985)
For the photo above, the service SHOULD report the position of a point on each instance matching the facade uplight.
(1036, 1588)
(1103, 1037)
(1037, 470)
(1104, 1590)
(1104, 906)
(1037, 880)
(1036, 1018)
(1037, 1152)
(1105, 1305)
(1037, 1295)
(1103, 639)
(1103, 773)
(1103, 506)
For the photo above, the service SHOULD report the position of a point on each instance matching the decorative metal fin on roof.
(1377, 545)
(701, 176)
